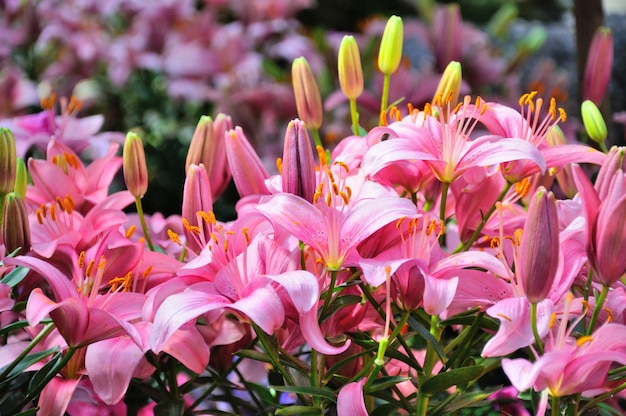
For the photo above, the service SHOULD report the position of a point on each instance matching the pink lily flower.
(340, 217)
(63, 174)
(444, 143)
(528, 126)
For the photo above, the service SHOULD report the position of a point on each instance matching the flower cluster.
(396, 273)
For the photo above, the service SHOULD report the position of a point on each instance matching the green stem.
(41, 335)
(429, 363)
(598, 308)
(533, 322)
(442, 212)
(556, 406)
(466, 246)
(142, 219)
(601, 398)
(329, 292)
(354, 116)
(316, 137)
(588, 287)
(271, 353)
(385, 97)
(603, 147)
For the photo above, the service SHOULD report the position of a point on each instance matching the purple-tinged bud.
(538, 257)
(308, 98)
(8, 158)
(15, 228)
(298, 164)
(594, 123)
(197, 204)
(449, 39)
(248, 171)
(598, 67)
(615, 161)
(390, 52)
(135, 170)
(208, 147)
(447, 93)
(349, 68)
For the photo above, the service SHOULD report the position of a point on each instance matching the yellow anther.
(146, 272)
(494, 243)
(191, 228)
(399, 222)
(342, 165)
(335, 188)
(244, 231)
(383, 118)
(279, 165)
(517, 235)
(321, 154)
(68, 202)
(102, 263)
(329, 199)
(130, 231)
(609, 313)
(583, 340)
(81, 260)
(522, 187)
(40, 216)
(562, 114)
(90, 267)
(174, 237)
(552, 320)
(508, 318)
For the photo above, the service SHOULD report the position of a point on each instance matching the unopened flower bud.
(448, 35)
(21, 177)
(593, 121)
(449, 86)
(208, 147)
(598, 66)
(8, 158)
(197, 201)
(349, 68)
(615, 161)
(248, 171)
(308, 98)
(135, 170)
(538, 257)
(15, 228)
(390, 51)
(298, 165)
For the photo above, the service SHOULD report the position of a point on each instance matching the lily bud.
(593, 121)
(615, 161)
(196, 199)
(248, 171)
(135, 170)
(208, 147)
(298, 165)
(308, 98)
(449, 86)
(598, 66)
(390, 51)
(8, 158)
(448, 34)
(21, 177)
(538, 257)
(349, 68)
(15, 228)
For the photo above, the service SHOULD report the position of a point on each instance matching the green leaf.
(468, 320)
(384, 410)
(455, 377)
(13, 326)
(14, 277)
(264, 393)
(425, 333)
(44, 372)
(383, 383)
(299, 410)
(310, 391)
(28, 361)
(254, 355)
(29, 412)
(339, 303)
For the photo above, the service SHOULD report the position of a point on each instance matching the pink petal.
(263, 307)
(312, 333)
(110, 364)
(188, 347)
(302, 288)
(350, 401)
(60, 284)
(521, 373)
(56, 396)
(438, 293)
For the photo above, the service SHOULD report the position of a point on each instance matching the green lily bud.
(15, 228)
(593, 121)
(447, 93)
(390, 51)
(349, 68)
(308, 98)
(21, 177)
(7, 161)
(135, 170)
